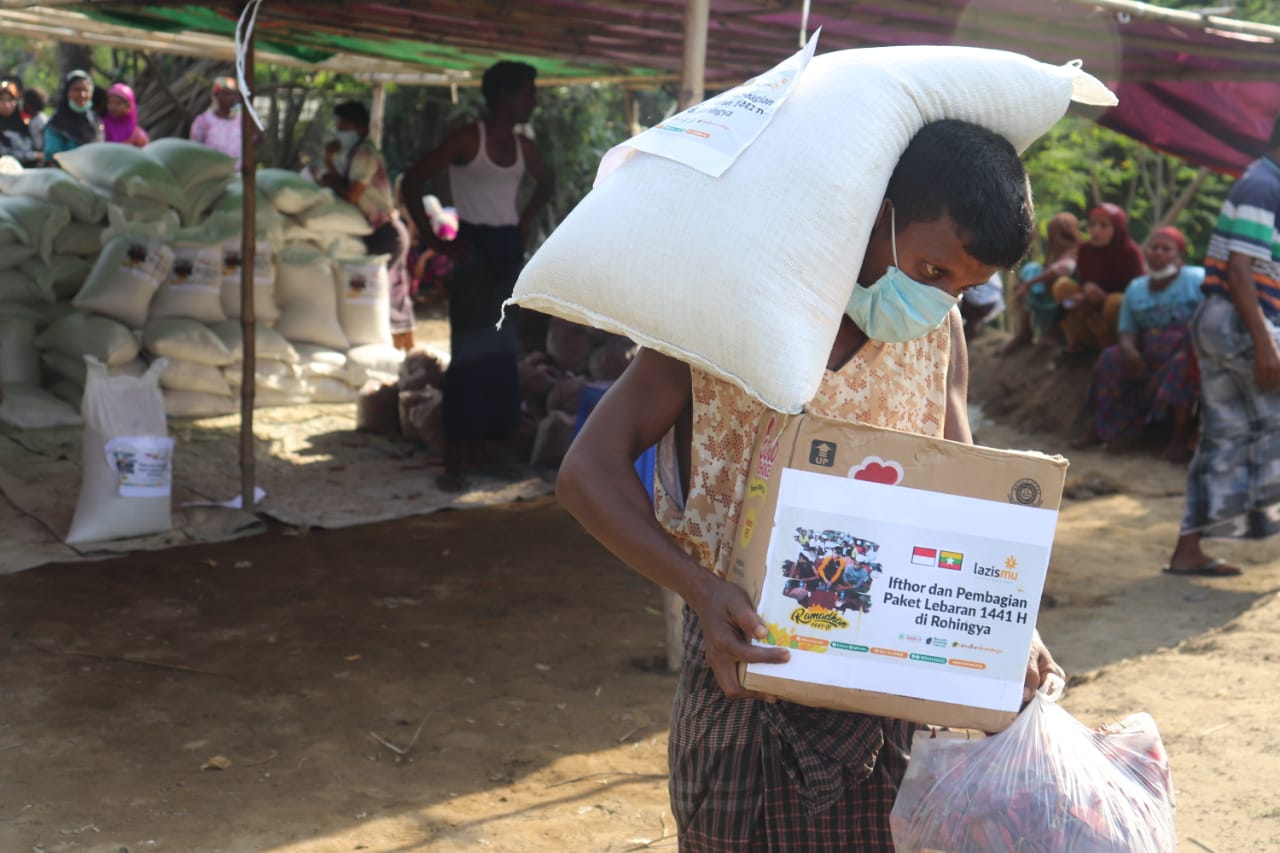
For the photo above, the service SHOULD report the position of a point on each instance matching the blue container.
(646, 463)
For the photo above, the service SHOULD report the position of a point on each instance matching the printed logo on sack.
(136, 254)
(357, 282)
(183, 268)
(822, 453)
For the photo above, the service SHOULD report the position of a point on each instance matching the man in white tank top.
(486, 162)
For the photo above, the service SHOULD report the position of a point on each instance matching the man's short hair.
(505, 77)
(354, 112)
(973, 175)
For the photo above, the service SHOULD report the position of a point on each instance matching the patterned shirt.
(220, 134)
(366, 166)
(1247, 225)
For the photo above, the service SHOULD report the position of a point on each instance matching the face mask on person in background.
(348, 139)
(896, 307)
(79, 108)
(1164, 272)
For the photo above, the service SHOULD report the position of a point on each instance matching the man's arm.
(956, 423)
(1244, 295)
(598, 485)
(458, 147)
(542, 174)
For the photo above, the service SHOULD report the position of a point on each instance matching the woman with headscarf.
(1104, 267)
(15, 138)
(121, 121)
(1151, 369)
(74, 122)
(1034, 307)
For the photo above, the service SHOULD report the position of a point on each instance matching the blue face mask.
(348, 139)
(896, 307)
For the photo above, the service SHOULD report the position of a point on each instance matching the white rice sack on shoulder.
(364, 300)
(79, 238)
(56, 186)
(377, 362)
(308, 298)
(31, 222)
(126, 172)
(19, 360)
(184, 339)
(265, 309)
(182, 375)
(336, 217)
(193, 287)
(125, 278)
(290, 192)
(79, 334)
(29, 407)
(748, 274)
(196, 404)
(268, 344)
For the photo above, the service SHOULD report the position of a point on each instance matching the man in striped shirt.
(1233, 485)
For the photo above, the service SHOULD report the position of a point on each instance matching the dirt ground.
(491, 679)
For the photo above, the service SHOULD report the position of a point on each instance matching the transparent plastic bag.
(1046, 784)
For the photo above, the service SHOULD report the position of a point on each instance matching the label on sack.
(147, 263)
(195, 269)
(143, 465)
(710, 136)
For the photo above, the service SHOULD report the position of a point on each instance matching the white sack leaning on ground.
(127, 458)
(762, 260)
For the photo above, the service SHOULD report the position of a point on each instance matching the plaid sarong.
(750, 776)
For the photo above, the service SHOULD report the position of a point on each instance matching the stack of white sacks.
(131, 254)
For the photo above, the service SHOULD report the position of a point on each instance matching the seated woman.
(74, 122)
(1034, 308)
(1152, 367)
(15, 138)
(1104, 267)
(121, 121)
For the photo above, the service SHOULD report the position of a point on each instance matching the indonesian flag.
(924, 556)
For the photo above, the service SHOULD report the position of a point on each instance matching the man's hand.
(1039, 664)
(1266, 365)
(728, 619)
(332, 147)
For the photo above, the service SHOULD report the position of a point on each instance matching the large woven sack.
(268, 344)
(193, 376)
(18, 285)
(321, 362)
(290, 192)
(270, 222)
(19, 361)
(191, 163)
(123, 171)
(61, 275)
(335, 217)
(308, 299)
(79, 238)
(747, 275)
(184, 339)
(31, 222)
(30, 407)
(193, 287)
(127, 458)
(125, 278)
(364, 300)
(56, 186)
(79, 334)
(14, 255)
(265, 310)
(378, 363)
(196, 404)
(70, 368)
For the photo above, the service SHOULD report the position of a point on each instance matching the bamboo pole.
(378, 113)
(248, 250)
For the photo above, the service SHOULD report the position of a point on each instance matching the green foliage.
(1078, 165)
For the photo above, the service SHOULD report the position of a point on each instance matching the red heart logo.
(876, 470)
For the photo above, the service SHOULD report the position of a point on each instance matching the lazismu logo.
(1007, 572)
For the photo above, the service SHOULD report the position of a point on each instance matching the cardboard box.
(903, 572)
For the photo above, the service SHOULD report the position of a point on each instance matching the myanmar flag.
(950, 560)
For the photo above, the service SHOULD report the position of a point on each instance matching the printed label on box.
(903, 591)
